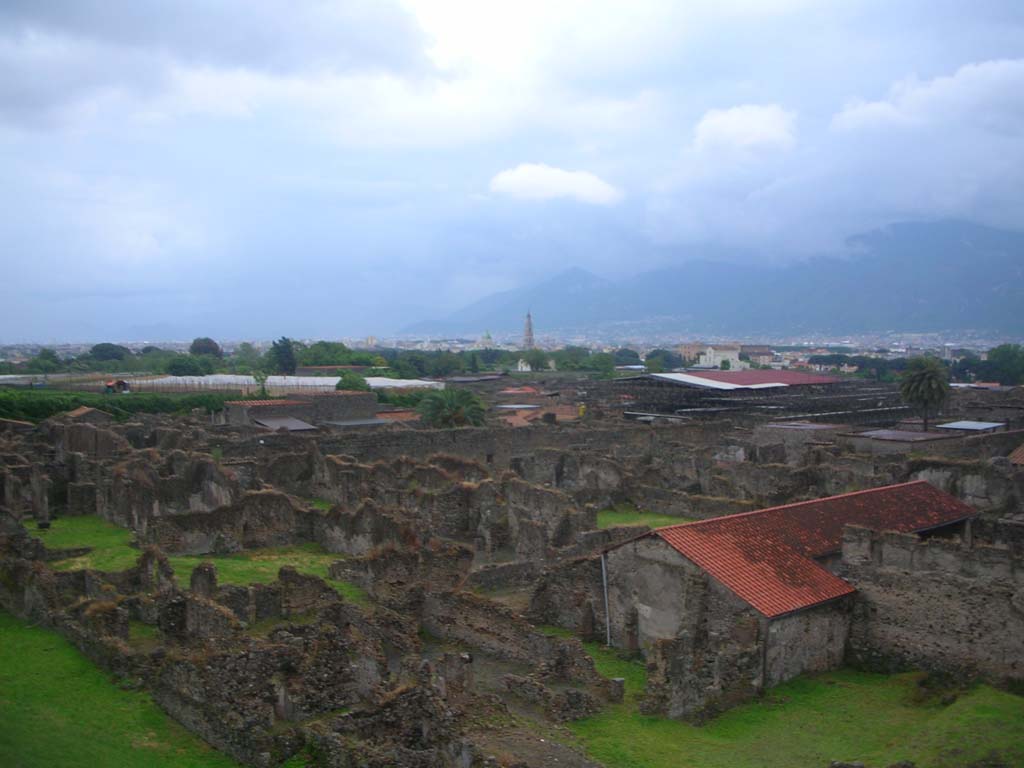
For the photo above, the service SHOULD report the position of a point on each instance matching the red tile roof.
(261, 403)
(525, 390)
(1017, 457)
(760, 376)
(766, 556)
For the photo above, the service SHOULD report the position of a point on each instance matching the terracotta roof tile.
(766, 556)
(1017, 457)
(759, 376)
(261, 403)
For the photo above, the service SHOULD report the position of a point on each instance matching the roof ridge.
(791, 505)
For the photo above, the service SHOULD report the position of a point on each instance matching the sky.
(338, 169)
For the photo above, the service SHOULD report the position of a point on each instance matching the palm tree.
(925, 385)
(452, 408)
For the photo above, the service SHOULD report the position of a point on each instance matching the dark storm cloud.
(54, 54)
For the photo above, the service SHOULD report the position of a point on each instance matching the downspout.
(764, 654)
(607, 617)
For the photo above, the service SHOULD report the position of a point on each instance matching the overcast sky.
(247, 170)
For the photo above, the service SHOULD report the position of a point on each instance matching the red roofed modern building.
(754, 595)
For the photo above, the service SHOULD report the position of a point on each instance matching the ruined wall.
(258, 519)
(654, 593)
(812, 640)
(935, 603)
(984, 484)
(495, 630)
(715, 663)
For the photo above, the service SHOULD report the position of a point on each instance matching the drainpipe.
(607, 617)
(764, 654)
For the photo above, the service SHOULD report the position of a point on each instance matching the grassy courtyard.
(111, 551)
(842, 715)
(627, 514)
(58, 710)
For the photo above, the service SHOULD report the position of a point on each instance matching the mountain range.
(914, 277)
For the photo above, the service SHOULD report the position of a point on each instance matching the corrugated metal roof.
(971, 426)
(766, 556)
(752, 379)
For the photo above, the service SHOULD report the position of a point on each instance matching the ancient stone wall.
(811, 640)
(258, 519)
(950, 605)
(715, 662)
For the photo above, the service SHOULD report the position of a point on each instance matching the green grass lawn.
(627, 514)
(841, 715)
(112, 552)
(58, 710)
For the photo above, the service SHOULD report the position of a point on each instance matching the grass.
(57, 710)
(841, 715)
(322, 504)
(112, 551)
(627, 514)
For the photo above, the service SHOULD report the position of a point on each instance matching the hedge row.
(36, 405)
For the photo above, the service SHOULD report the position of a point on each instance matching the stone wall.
(812, 640)
(258, 519)
(948, 605)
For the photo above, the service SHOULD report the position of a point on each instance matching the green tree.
(571, 358)
(245, 358)
(664, 359)
(352, 381)
(260, 377)
(189, 365)
(725, 365)
(325, 353)
(444, 364)
(107, 351)
(451, 408)
(627, 356)
(205, 346)
(537, 359)
(46, 361)
(604, 364)
(925, 385)
(1006, 364)
(281, 356)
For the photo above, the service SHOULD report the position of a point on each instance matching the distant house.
(301, 413)
(523, 367)
(291, 415)
(717, 355)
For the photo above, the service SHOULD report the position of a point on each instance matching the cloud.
(59, 58)
(537, 181)
(747, 127)
(989, 94)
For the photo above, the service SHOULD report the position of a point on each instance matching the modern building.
(715, 356)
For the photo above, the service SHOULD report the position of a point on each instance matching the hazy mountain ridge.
(937, 276)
